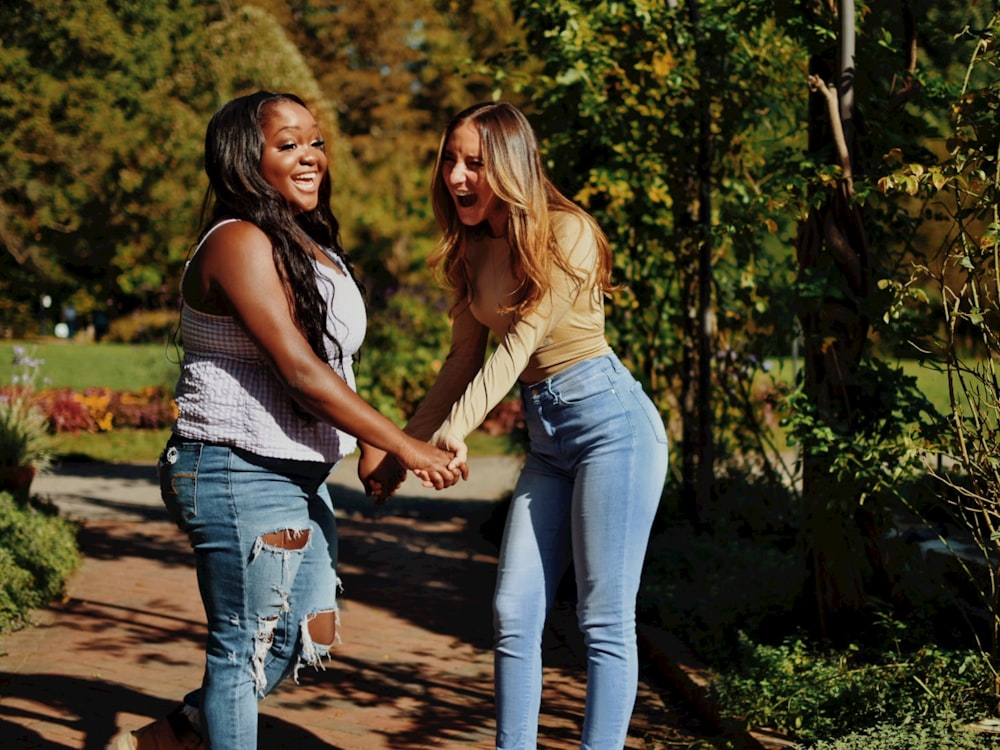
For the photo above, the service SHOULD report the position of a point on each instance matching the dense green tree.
(875, 92)
(955, 284)
(658, 119)
(105, 106)
(395, 69)
(99, 135)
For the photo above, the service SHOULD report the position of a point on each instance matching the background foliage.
(687, 128)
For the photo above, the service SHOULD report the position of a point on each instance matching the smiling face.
(294, 159)
(464, 174)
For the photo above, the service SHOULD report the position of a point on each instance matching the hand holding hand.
(430, 464)
(460, 454)
(380, 473)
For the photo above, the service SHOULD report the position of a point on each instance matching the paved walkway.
(414, 669)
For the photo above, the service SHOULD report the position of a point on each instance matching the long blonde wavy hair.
(514, 171)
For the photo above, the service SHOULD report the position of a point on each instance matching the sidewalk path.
(414, 669)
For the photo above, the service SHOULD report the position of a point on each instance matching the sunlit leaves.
(95, 129)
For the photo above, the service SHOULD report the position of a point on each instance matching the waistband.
(603, 363)
(268, 463)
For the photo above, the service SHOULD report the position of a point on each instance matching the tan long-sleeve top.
(565, 328)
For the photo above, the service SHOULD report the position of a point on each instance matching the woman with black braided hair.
(271, 319)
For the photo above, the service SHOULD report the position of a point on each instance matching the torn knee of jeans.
(261, 646)
(319, 633)
(321, 628)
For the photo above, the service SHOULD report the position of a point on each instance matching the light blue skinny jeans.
(588, 493)
(258, 597)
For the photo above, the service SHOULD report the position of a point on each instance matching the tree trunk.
(698, 461)
(832, 244)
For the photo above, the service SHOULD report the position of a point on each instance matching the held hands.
(460, 455)
(437, 467)
(380, 473)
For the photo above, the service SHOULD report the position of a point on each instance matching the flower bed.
(102, 409)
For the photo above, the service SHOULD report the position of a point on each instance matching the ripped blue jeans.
(265, 542)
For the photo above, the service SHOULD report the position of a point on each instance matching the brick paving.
(414, 669)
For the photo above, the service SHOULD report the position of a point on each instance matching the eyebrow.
(451, 152)
(297, 128)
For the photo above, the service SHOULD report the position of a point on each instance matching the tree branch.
(818, 86)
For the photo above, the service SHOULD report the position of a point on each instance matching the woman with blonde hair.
(529, 266)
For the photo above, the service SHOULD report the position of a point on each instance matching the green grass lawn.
(117, 366)
(118, 446)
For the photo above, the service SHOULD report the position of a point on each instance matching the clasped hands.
(382, 473)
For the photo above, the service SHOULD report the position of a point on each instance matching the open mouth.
(466, 200)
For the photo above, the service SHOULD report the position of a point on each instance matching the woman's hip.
(594, 404)
(207, 486)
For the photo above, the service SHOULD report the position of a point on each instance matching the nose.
(457, 175)
(311, 153)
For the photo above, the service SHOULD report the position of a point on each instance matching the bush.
(734, 593)
(143, 326)
(404, 349)
(935, 735)
(147, 408)
(814, 694)
(67, 411)
(707, 588)
(38, 553)
(16, 594)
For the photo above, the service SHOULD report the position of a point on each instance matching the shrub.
(23, 426)
(143, 326)
(706, 588)
(801, 689)
(38, 553)
(404, 349)
(16, 594)
(67, 411)
(150, 407)
(734, 594)
(931, 735)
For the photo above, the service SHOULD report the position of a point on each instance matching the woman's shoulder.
(232, 235)
(572, 231)
(571, 223)
(231, 228)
